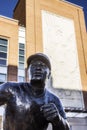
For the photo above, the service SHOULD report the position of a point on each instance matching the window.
(3, 51)
(21, 55)
(21, 71)
(20, 79)
(2, 77)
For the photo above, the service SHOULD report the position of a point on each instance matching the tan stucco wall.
(9, 30)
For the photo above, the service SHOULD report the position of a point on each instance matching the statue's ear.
(49, 75)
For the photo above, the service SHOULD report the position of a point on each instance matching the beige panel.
(59, 38)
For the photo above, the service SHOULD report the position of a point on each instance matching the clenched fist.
(50, 112)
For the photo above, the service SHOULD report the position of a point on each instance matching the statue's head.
(39, 68)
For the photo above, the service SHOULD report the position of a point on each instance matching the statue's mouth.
(37, 76)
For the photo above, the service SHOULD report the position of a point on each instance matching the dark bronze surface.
(30, 106)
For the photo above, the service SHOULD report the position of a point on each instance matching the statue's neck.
(37, 88)
(38, 92)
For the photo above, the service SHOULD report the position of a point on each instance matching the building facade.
(56, 28)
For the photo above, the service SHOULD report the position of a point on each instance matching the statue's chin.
(37, 82)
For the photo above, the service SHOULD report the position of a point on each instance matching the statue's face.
(38, 72)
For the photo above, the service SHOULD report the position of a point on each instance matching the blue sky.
(7, 7)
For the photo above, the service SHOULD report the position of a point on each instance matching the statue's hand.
(51, 113)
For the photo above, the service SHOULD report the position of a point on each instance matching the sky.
(7, 7)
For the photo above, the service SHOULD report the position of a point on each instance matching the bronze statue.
(29, 105)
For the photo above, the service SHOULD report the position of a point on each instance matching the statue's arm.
(5, 93)
(60, 121)
(55, 115)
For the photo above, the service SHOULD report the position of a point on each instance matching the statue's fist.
(50, 112)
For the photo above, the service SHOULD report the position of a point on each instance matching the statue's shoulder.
(6, 86)
(17, 86)
(49, 92)
(52, 95)
(14, 84)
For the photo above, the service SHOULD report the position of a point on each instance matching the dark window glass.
(3, 41)
(21, 52)
(21, 58)
(2, 62)
(3, 48)
(3, 55)
(21, 65)
(21, 55)
(3, 51)
(21, 45)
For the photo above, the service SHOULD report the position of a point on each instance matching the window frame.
(4, 74)
(21, 55)
(4, 51)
